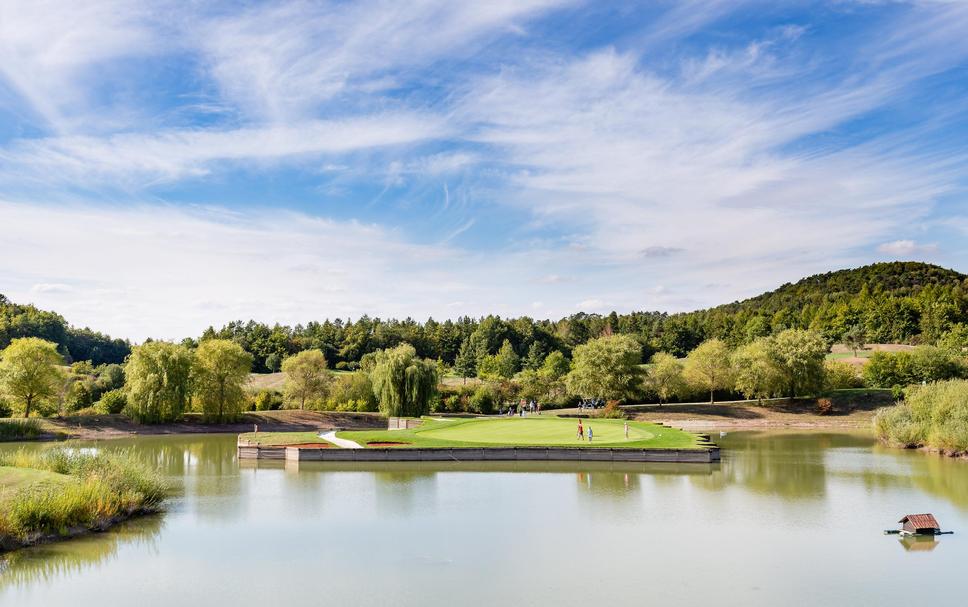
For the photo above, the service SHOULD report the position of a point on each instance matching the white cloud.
(280, 62)
(145, 158)
(45, 287)
(903, 248)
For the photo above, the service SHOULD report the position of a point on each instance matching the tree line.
(883, 303)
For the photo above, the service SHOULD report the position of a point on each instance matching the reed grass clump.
(933, 415)
(26, 429)
(102, 489)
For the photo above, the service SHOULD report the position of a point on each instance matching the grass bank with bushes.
(60, 492)
(933, 416)
(14, 430)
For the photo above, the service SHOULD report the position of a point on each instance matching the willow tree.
(606, 367)
(219, 372)
(30, 371)
(158, 381)
(403, 383)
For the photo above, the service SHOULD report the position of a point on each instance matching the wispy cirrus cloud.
(517, 156)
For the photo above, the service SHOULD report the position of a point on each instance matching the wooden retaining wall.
(470, 454)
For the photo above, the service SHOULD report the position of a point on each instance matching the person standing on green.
(589, 434)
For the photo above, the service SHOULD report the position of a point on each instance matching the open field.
(842, 353)
(528, 431)
(274, 381)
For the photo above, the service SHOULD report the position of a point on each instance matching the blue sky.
(168, 165)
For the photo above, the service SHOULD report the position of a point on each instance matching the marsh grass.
(933, 415)
(20, 429)
(103, 488)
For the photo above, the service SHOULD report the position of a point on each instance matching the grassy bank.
(933, 416)
(60, 492)
(15, 429)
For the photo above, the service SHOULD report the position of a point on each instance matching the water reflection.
(46, 562)
(918, 543)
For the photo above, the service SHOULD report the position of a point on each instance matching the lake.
(785, 518)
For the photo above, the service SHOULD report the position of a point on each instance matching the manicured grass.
(529, 431)
(270, 439)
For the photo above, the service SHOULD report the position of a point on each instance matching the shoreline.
(40, 539)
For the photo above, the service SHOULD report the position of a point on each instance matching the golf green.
(525, 432)
(536, 431)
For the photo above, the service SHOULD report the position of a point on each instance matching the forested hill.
(886, 302)
(897, 278)
(75, 344)
(899, 302)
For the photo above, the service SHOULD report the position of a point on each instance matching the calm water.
(792, 519)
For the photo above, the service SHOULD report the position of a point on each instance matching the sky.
(170, 165)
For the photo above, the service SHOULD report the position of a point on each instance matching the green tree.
(535, 357)
(665, 376)
(506, 361)
(855, 339)
(465, 365)
(157, 382)
(799, 356)
(555, 365)
(606, 367)
(30, 372)
(709, 368)
(403, 383)
(219, 371)
(306, 378)
(755, 374)
(274, 362)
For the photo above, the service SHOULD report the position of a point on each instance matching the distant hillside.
(892, 302)
(896, 278)
(75, 344)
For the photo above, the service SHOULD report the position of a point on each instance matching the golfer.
(626, 430)
(589, 434)
(581, 431)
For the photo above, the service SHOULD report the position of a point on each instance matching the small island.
(490, 438)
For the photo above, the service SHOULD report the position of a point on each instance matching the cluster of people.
(525, 407)
(590, 403)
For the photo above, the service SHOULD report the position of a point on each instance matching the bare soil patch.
(849, 411)
(118, 426)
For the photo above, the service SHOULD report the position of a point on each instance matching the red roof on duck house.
(921, 521)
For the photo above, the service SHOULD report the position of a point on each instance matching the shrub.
(5, 409)
(483, 400)
(268, 400)
(112, 401)
(839, 375)
(612, 410)
(824, 406)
